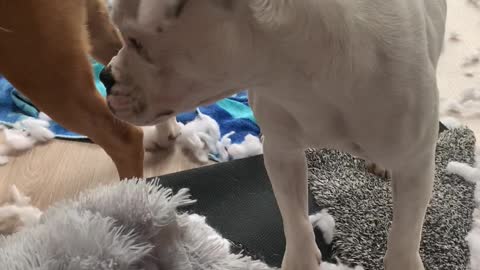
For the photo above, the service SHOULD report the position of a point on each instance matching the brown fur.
(44, 48)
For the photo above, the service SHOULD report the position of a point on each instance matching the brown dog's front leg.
(104, 37)
(57, 76)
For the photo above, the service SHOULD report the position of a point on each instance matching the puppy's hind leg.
(412, 188)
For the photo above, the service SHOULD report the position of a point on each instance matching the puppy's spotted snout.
(106, 77)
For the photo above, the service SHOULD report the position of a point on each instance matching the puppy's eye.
(135, 44)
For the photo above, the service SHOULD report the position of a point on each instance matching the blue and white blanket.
(232, 114)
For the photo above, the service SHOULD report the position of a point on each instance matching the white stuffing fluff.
(468, 105)
(20, 208)
(473, 239)
(472, 60)
(222, 146)
(3, 160)
(18, 140)
(23, 136)
(466, 171)
(472, 175)
(326, 223)
(190, 140)
(329, 266)
(37, 129)
(251, 146)
(202, 136)
(451, 122)
(43, 116)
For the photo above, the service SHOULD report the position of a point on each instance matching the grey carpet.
(362, 206)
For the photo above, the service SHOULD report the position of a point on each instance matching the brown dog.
(44, 50)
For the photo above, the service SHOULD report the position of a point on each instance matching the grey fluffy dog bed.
(127, 226)
(362, 206)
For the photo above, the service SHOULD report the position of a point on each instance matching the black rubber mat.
(238, 201)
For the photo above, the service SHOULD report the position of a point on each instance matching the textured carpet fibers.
(361, 204)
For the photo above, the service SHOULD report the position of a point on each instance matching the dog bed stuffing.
(23, 136)
(362, 206)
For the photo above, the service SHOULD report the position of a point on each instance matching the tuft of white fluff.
(20, 208)
(200, 136)
(472, 175)
(37, 129)
(473, 239)
(23, 136)
(451, 122)
(326, 223)
(468, 105)
(43, 116)
(3, 160)
(340, 266)
(466, 171)
(18, 140)
(222, 146)
(251, 146)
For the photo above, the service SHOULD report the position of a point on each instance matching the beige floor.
(61, 169)
(464, 20)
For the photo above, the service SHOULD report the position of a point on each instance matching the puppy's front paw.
(161, 136)
(376, 169)
(302, 259)
(402, 261)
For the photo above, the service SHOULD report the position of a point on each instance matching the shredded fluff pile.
(23, 136)
(472, 175)
(202, 138)
(468, 105)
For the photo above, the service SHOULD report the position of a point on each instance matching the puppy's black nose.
(106, 77)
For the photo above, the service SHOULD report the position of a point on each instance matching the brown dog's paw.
(376, 169)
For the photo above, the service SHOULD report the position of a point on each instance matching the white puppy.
(357, 76)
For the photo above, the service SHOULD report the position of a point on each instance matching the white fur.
(357, 76)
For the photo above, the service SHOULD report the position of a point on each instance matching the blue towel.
(232, 114)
